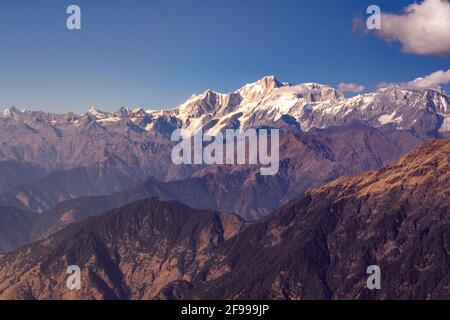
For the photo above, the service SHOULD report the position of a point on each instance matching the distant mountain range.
(316, 247)
(100, 190)
(266, 102)
(101, 153)
(308, 160)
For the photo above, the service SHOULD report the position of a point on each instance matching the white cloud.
(431, 81)
(422, 28)
(384, 84)
(350, 87)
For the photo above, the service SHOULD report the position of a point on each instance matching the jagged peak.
(260, 88)
(205, 96)
(270, 82)
(267, 82)
(123, 111)
(209, 93)
(12, 112)
(95, 113)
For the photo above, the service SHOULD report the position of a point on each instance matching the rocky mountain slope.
(268, 102)
(316, 247)
(136, 138)
(320, 245)
(108, 151)
(155, 241)
(45, 192)
(309, 160)
(15, 173)
(15, 228)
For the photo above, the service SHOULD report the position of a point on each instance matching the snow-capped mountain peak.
(12, 112)
(97, 114)
(259, 88)
(270, 102)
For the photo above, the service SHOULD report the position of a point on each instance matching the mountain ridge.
(130, 144)
(267, 100)
(308, 160)
(318, 246)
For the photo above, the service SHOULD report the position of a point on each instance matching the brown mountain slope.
(46, 192)
(320, 245)
(15, 228)
(316, 247)
(129, 253)
(308, 160)
(14, 173)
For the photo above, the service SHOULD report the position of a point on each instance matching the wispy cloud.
(350, 87)
(422, 28)
(430, 81)
(433, 80)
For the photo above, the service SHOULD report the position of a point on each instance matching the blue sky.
(153, 54)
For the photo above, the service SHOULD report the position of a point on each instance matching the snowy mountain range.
(47, 158)
(269, 102)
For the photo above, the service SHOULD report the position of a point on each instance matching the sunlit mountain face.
(323, 136)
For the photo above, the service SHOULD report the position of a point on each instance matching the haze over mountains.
(308, 161)
(316, 247)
